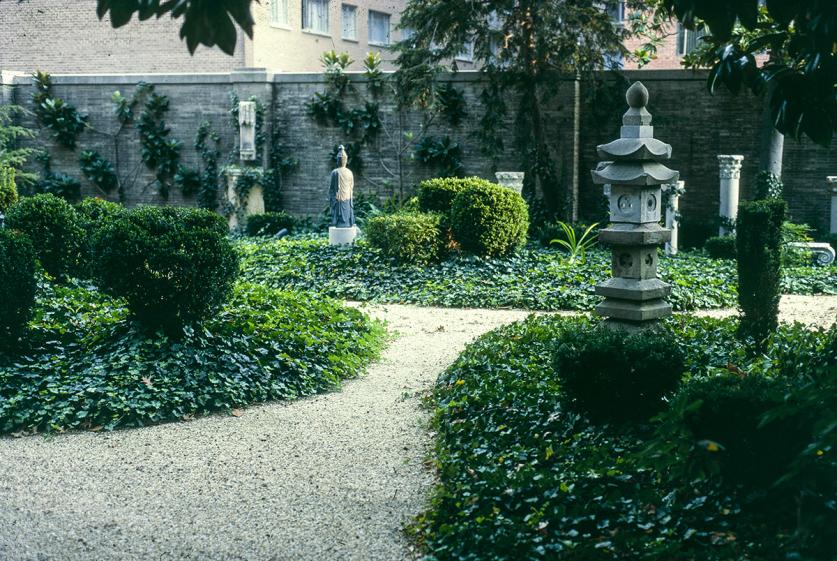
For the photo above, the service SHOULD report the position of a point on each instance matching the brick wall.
(697, 126)
(66, 36)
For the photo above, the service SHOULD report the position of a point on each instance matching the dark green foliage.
(98, 171)
(759, 249)
(724, 414)
(721, 247)
(8, 189)
(54, 228)
(65, 122)
(58, 184)
(173, 266)
(94, 214)
(534, 278)
(521, 477)
(549, 231)
(269, 223)
(451, 103)
(408, 237)
(436, 195)
(441, 153)
(617, 377)
(489, 220)
(208, 187)
(13, 152)
(188, 180)
(17, 277)
(160, 153)
(768, 186)
(262, 345)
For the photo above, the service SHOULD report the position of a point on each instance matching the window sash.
(349, 22)
(315, 15)
(378, 28)
(279, 12)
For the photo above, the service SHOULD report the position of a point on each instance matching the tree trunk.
(772, 142)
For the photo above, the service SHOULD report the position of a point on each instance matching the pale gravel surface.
(328, 478)
(334, 477)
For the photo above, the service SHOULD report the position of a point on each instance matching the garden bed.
(89, 367)
(523, 475)
(535, 278)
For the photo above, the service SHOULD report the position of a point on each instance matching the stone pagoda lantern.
(631, 167)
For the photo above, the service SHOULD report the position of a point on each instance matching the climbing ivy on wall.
(160, 152)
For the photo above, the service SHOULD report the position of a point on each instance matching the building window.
(349, 22)
(688, 39)
(467, 53)
(315, 16)
(378, 28)
(279, 13)
(616, 11)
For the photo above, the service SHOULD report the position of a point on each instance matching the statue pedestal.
(342, 236)
(241, 209)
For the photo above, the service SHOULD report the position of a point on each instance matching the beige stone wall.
(66, 36)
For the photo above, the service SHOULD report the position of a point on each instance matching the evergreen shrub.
(17, 278)
(614, 376)
(759, 250)
(8, 191)
(54, 228)
(173, 266)
(269, 223)
(408, 237)
(721, 247)
(436, 195)
(489, 220)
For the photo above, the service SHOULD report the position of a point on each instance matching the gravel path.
(334, 477)
(328, 478)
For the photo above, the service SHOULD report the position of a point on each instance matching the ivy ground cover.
(89, 367)
(535, 278)
(524, 475)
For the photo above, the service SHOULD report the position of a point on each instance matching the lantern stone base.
(342, 236)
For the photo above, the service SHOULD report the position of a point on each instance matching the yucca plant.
(576, 246)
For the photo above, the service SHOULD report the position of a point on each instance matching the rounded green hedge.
(94, 214)
(54, 228)
(269, 223)
(436, 195)
(408, 237)
(17, 278)
(721, 247)
(489, 220)
(172, 265)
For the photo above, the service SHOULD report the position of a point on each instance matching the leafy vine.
(55, 114)
(160, 153)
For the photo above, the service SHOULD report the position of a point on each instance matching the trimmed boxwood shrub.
(94, 214)
(490, 220)
(54, 228)
(269, 223)
(436, 195)
(615, 376)
(173, 266)
(408, 237)
(17, 278)
(759, 249)
(725, 415)
(8, 191)
(721, 247)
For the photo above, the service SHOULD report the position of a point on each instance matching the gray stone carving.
(672, 219)
(730, 173)
(832, 183)
(631, 167)
(341, 203)
(511, 179)
(247, 130)
(822, 253)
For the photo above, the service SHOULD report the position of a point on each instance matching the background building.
(65, 36)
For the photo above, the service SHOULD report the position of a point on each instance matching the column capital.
(832, 181)
(730, 166)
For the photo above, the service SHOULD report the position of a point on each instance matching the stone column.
(832, 183)
(673, 207)
(511, 179)
(632, 166)
(730, 171)
(240, 210)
